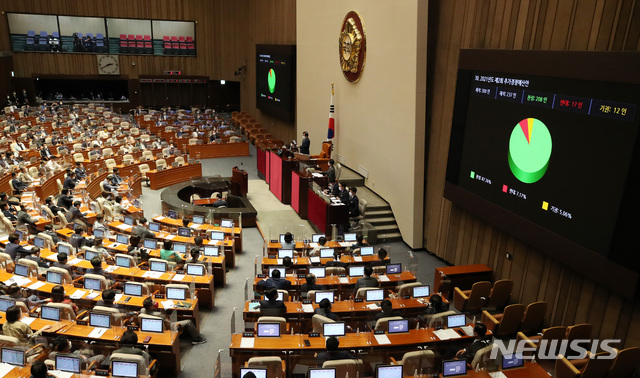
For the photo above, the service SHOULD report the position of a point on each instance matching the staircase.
(379, 215)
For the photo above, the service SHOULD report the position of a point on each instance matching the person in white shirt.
(52, 165)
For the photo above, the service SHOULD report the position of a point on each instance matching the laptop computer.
(50, 313)
(512, 361)
(334, 329)
(398, 326)
(68, 363)
(318, 271)
(320, 295)
(268, 330)
(421, 291)
(389, 371)
(453, 368)
(151, 325)
(124, 369)
(322, 373)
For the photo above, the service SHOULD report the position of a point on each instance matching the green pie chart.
(529, 150)
(271, 79)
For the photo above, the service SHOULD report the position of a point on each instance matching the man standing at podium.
(306, 143)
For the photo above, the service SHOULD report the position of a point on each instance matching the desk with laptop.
(343, 246)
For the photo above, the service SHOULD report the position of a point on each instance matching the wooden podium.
(239, 182)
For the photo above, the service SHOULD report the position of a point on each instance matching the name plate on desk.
(159, 296)
(82, 322)
(78, 284)
(102, 373)
(406, 297)
(314, 334)
(306, 301)
(132, 328)
(247, 334)
(302, 275)
(379, 332)
(358, 300)
(261, 276)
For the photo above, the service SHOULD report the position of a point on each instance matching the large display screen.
(552, 155)
(275, 80)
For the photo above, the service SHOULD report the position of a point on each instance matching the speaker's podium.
(239, 182)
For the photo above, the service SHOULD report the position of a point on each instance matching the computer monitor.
(454, 321)
(421, 291)
(283, 271)
(150, 243)
(375, 295)
(44, 214)
(38, 242)
(158, 266)
(282, 253)
(64, 248)
(282, 238)
(315, 238)
(88, 254)
(123, 261)
(151, 325)
(258, 372)
(172, 214)
(333, 329)
(6, 303)
(128, 220)
(54, 277)
(20, 234)
(350, 236)
(389, 371)
(320, 295)
(98, 233)
(153, 226)
(92, 284)
(211, 250)
(217, 235)
(13, 356)
(195, 270)
(356, 271)
(68, 363)
(184, 231)
(366, 250)
(398, 326)
(226, 223)
(180, 247)
(394, 268)
(511, 361)
(50, 313)
(318, 271)
(124, 369)
(197, 219)
(268, 330)
(452, 368)
(177, 294)
(21, 270)
(326, 253)
(322, 373)
(99, 320)
(122, 239)
(133, 289)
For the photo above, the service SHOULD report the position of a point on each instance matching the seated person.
(26, 220)
(62, 345)
(288, 241)
(382, 254)
(195, 256)
(275, 281)
(54, 209)
(58, 295)
(324, 309)
(140, 254)
(8, 212)
(288, 265)
(167, 253)
(70, 181)
(272, 306)
(220, 201)
(40, 370)
(322, 242)
(359, 242)
(141, 230)
(48, 230)
(97, 245)
(310, 285)
(62, 262)
(35, 256)
(387, 311)
(128, 342)
(332, 344)
(480, 341)
(14, 249)
(78, 241)
(367, 280)
(150, 307)
(108, 297)
(14, 327)
(96, 263)
(64, 200)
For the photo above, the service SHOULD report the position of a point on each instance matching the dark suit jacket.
(304, 147)
(65, 201)
(46, 152)
(16, 251)
(18, 185)
(69, 183)
(142, 232)
(331, 356)
(9, 215)
(366, 282)
(219, 203)
(331, 173)
(272, 308)
(327, 313)
(74, 213)
(344, 197)
(354, 210)
(277, 283)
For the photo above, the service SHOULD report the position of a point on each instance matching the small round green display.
(271, 79)
(529, 150)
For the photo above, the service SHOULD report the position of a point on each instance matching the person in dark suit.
(310, 285)
(367, 280)
(45, 152)
(331, 172)
(6, 211)
(332, 344)
(77, 240)
(80, 172)
(141, 230)
(306, 143)
(96, 264)
(14, 249)
(76, 214)
(48, 230)
(272, 306)
(220, 202)
(354, 209)
(324, 309)
(344, 194)
(387, 311)
(24, 219)
(275, 281)
(382, 254)
(480, 341)
(18, 185)
(70, 181)
(65, 200)
(54, 209)
(62, 262)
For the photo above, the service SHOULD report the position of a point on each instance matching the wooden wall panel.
(459, 237)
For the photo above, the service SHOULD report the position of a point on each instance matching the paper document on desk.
(382, 339)
(27, 320)
(159, 217)
(316, 174)
(178, 277)
(78, 294)
(152, 274)
(347, 244)
(20, 281)
(313, 245)
(170, 237)
(60, 374)
(446, 334)
(5, 369)
(168, 304)
(497, 374)
(195, 226)
(111, 268)
(118, 297)
(247, 342)
(383, 278)
(373, 306)
(36, 285)
(93, 295)
(123, 227)
(97, 332)
(306, 307)
(75, 261)
(344, 280)
(357, 258)
(468, 330)
(214, 242)
(314, 260)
